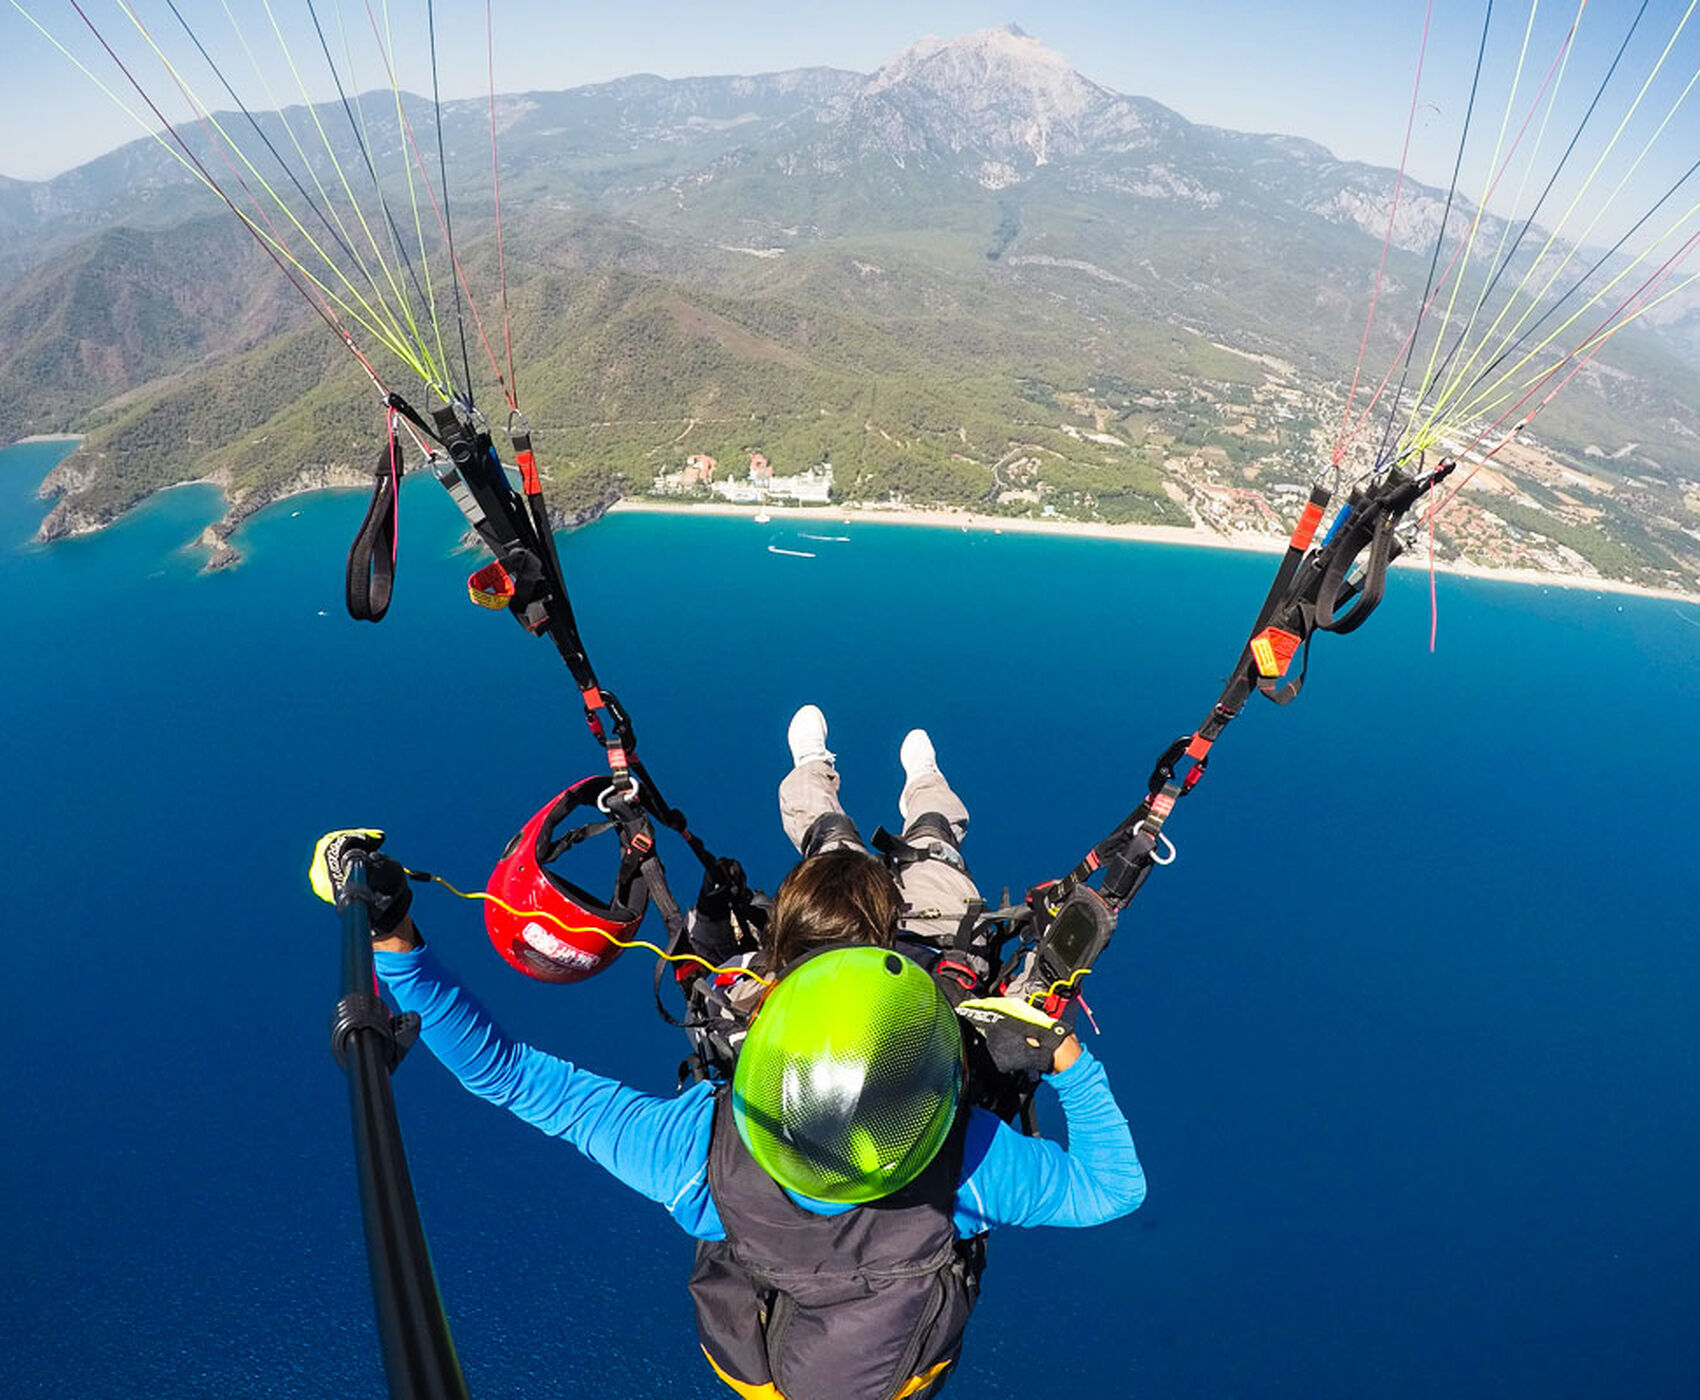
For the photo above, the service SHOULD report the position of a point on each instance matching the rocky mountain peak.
(998, 99)
(990, 70)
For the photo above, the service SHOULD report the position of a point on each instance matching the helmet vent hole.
(894, 964)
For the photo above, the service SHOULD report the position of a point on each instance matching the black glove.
(387, 894)
(1020, 1038)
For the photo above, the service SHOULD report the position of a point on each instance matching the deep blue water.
(1406, 1036)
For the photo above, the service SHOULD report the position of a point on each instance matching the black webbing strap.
(371, 558)
(1370, 528)
(516, 529)
(1298, 545)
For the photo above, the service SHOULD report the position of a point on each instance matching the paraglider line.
(397, 242)
(1528, 222)
(1386, 242)
(1434, 373)
(1440, 239)
(510, 387)
(447, 211)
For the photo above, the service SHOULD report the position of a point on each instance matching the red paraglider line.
(1386, 242)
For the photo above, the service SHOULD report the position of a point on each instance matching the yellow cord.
(1055, 987)
(565, 927)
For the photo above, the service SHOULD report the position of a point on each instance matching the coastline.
(1195, 537)
(215, 540)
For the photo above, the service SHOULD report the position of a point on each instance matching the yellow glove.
(387, 893)
(330, 858)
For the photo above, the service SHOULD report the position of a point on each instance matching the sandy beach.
(50, 437)
(1197, 537)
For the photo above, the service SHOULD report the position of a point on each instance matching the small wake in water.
(794, 553)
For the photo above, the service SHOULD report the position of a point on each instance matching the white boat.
(794, 553)
(762, 517)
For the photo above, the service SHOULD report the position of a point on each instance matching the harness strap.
(1313, 590)
(526, 579)
(899, 851)
(372, 557)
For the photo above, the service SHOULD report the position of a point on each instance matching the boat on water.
(762, 517)
(794, 553)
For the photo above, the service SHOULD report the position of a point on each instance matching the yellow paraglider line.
(280, 251)
(1492, 395)
(439, 364)
(1492, 179)
(411, 332)
(1591, 344)
(404, 127)
(1456, 384)
(1547, 98)
(367, 146)
(231, 147)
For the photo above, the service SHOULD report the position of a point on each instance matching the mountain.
(972, 257)
(1001, 101)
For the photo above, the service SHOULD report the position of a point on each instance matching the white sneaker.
(807, 737)
(919, 760)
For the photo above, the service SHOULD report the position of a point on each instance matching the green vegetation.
(1058, 345)
(1609, 556)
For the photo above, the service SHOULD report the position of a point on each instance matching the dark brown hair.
(839, 896)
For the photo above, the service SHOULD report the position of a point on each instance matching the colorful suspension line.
(1508, 254)
(1342, 441)
(1437, 364)
(1440, 237)
(1445, 412)
(325, 303)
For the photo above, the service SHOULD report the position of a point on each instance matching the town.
(810, 487)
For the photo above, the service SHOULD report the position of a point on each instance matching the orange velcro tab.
(491, 587)
(1199, 746)
(527, 464)
(1273, 649)
(1305, 530)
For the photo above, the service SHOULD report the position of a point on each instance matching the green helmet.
(847, 1082)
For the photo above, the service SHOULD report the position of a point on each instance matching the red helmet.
(551, 929)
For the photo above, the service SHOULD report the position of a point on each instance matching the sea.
(1406, 1033)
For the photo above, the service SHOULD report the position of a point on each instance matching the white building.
(811, 487)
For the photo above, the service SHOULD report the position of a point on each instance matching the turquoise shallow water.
(1406, 1035)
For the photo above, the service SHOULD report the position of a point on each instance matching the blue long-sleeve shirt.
(659, 1146)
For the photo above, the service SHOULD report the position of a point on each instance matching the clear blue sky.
(1336, 71)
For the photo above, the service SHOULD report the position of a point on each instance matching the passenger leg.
(809, 809)
(936, 891)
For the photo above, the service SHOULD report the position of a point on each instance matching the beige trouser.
(935, 892)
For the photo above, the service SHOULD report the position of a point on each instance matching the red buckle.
(959, 973)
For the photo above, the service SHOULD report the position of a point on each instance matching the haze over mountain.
(916, 272)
